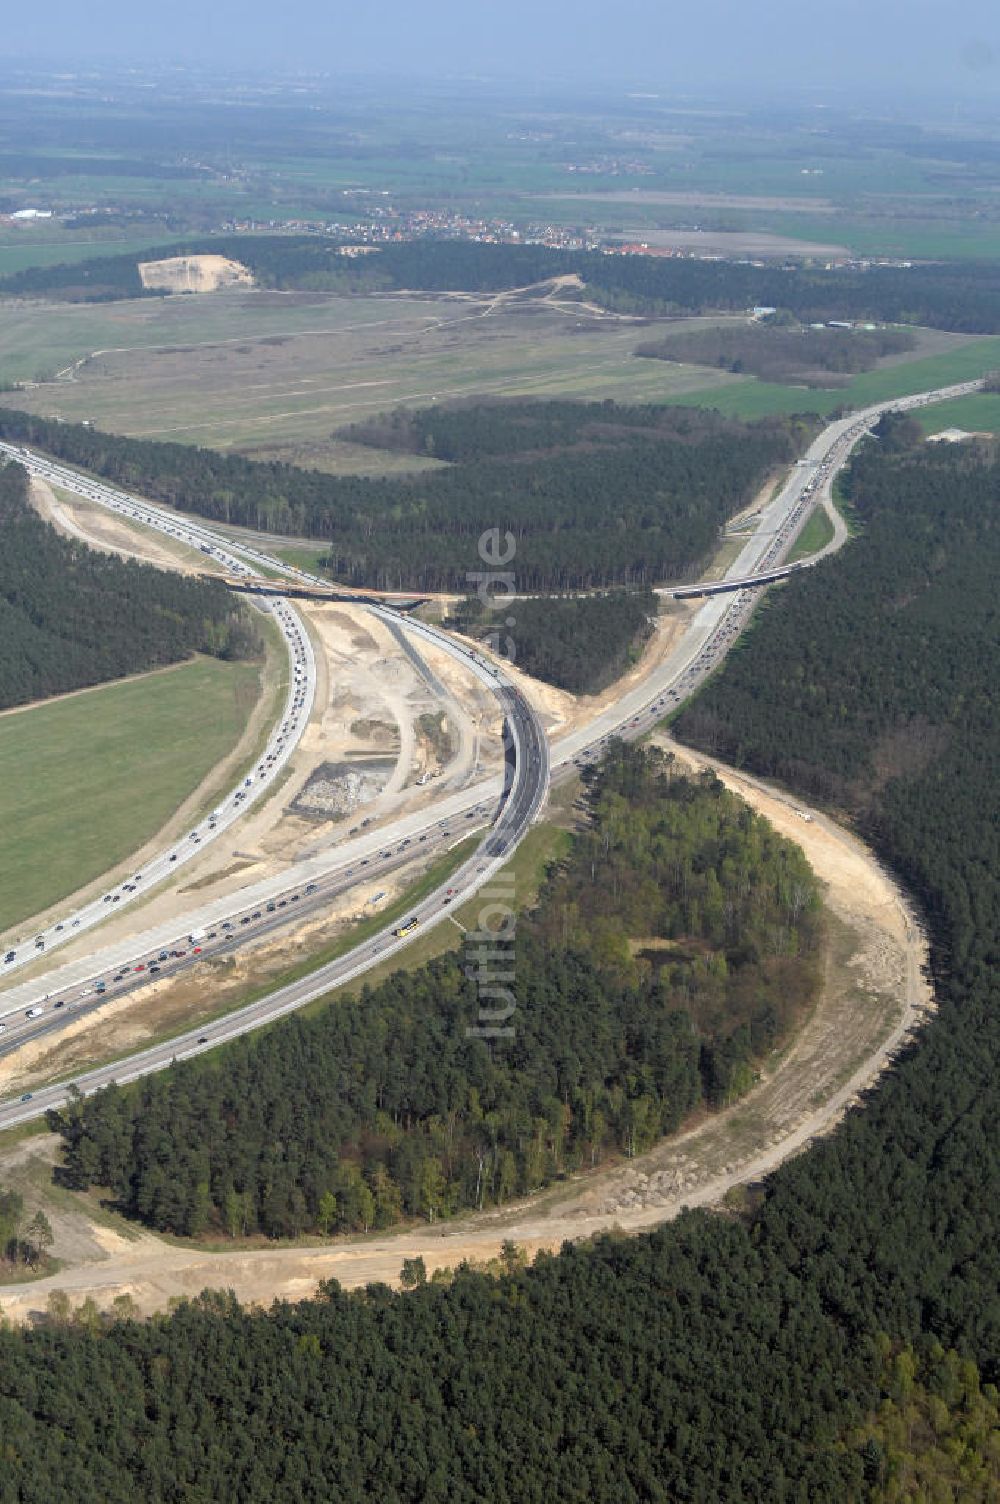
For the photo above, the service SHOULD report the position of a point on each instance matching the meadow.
(816, 534)
(30, 247)
(979, 413)
(87, 779)
(756, 399)
(274, 375)
(280, 375)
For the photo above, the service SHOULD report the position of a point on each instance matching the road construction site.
(483, 782)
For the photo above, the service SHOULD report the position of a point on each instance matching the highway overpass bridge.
(719, 587)
(249, 584)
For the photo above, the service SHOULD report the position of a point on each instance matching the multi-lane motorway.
(279, 748)
(707, 638)
(40, 1007)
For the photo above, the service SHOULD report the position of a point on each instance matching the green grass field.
(20, 251)
(979, 413)
(88, 779)
(309, 559)
(816, 534)
(757, 399)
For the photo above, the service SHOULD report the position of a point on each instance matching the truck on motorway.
(407, 928)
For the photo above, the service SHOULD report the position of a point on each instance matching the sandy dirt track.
(87, 522)
(873, 997)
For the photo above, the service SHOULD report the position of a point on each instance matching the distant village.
(373, 221)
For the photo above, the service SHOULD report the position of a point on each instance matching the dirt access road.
(873, 997)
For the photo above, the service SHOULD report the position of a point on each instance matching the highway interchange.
(508, 806)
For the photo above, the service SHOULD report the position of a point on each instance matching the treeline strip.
(625, 502)
(962, 296)
(71, 616)
(817, 357)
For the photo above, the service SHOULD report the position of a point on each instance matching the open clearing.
(22, 248)
(274, 374)
(88, 778)
(277, 375)
(691, 199)
(736, 243)
(873, 995)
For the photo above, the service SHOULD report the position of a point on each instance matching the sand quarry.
(193, 274)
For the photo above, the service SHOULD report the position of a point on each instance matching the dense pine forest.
(71, 616)
(963, 296)
(716, 1359)
(580, 644)
(609, 496)
(675, 948)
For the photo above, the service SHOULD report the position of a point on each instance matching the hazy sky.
(923, 45)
